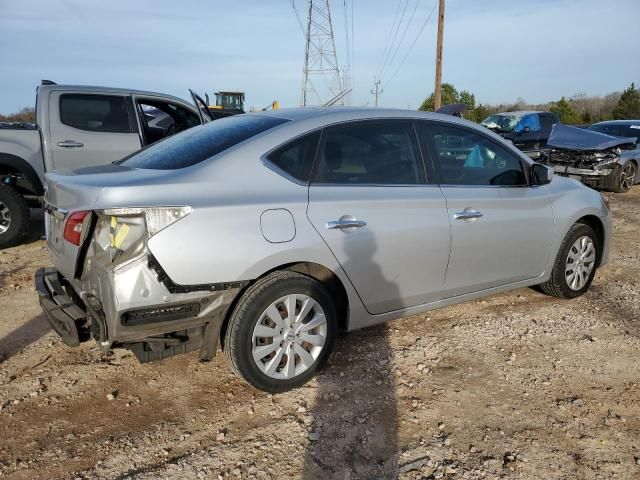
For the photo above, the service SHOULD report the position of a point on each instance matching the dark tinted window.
(200, 143)
(296, 158)
(382, 153)
(468, 158)
(618, 130)
(96, 113)
(547, 120)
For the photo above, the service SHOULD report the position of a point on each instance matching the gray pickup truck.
(80, 126)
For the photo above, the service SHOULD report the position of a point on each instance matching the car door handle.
(345, 224)
(70, 144)
(467, 214)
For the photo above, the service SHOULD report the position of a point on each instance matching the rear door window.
(370, 153)
(200, 143)
(95, 113)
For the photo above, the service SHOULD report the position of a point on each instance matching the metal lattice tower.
(321, 75)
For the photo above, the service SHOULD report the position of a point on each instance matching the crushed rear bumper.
(66, 314)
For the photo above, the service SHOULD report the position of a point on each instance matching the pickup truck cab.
(80, 126)
(527, 130)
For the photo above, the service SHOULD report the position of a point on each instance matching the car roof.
(619, 122)
(99, 89)
(331, 114)
(519, 113)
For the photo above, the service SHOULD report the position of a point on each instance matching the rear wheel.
(575, 265)
(14, 216)
(281, 331)
(624, 178)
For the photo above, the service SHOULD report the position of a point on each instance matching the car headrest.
(333, 155)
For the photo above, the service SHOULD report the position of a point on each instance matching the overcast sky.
(497, 49)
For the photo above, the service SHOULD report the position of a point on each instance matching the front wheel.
(575, 265)
(624, 178)
(281, 330)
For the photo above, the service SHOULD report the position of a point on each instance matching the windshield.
(503, 123)
(200, 143)
(618, 130)
(229, 101)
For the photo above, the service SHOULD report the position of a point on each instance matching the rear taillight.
(75, 227)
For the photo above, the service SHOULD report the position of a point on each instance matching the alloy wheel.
(289, 336)
(580, 262)
(5, 218)
(627, 177)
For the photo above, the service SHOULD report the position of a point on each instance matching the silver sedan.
(268, 233)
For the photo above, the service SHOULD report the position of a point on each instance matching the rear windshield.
(200, 143)
(617, 130)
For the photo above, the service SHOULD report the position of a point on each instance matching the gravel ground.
(517, 385)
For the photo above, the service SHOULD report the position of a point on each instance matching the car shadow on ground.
(355, 411)
(23, 336)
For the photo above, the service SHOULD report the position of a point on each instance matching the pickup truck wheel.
(14, 216)
(575, 265)
(281, 331)
(624, 178)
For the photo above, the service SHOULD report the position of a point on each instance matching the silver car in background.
(270, 232)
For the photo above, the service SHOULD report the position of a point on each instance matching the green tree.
(629, 104)
(449, 95)
(565, 111)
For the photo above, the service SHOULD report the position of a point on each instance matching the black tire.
(557, 285)
(14, 210)
(623, 178)
(238, 342)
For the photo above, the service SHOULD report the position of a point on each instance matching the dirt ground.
(518, 385)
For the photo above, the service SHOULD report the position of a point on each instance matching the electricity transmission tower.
(321, 75)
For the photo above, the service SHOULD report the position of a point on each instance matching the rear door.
(371, 203)
(90, 129)
(502, 229)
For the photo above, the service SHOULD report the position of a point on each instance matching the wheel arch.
(327, 277)
(12, 165)
(598, 227)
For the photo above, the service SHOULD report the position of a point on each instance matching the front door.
(370, 202)
(502, 229)
(90, 129)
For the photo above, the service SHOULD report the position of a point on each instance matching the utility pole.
(437, 98)
(377, 91)
(322, 80)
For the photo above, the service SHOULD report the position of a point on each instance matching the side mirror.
(541, 174)
(526, 129)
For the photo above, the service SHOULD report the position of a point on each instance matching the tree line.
(27, 114)
(579, 109)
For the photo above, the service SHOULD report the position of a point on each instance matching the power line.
(395, 36)
(295, 10)
(388, 42)
(404, 34)
(414, 42)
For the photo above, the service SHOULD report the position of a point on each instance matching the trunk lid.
(79, 190)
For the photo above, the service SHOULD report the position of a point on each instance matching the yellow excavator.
(231, 103)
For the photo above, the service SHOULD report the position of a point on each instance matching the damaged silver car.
(599, 156)
(267, 233)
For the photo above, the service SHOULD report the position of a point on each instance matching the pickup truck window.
(200, 143)
(95, 113)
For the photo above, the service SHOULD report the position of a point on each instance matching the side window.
(381, 153)
(468, 158)
(161, 119)
(296, 157)
(95, 113)
(546, 121)
(528, 123)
